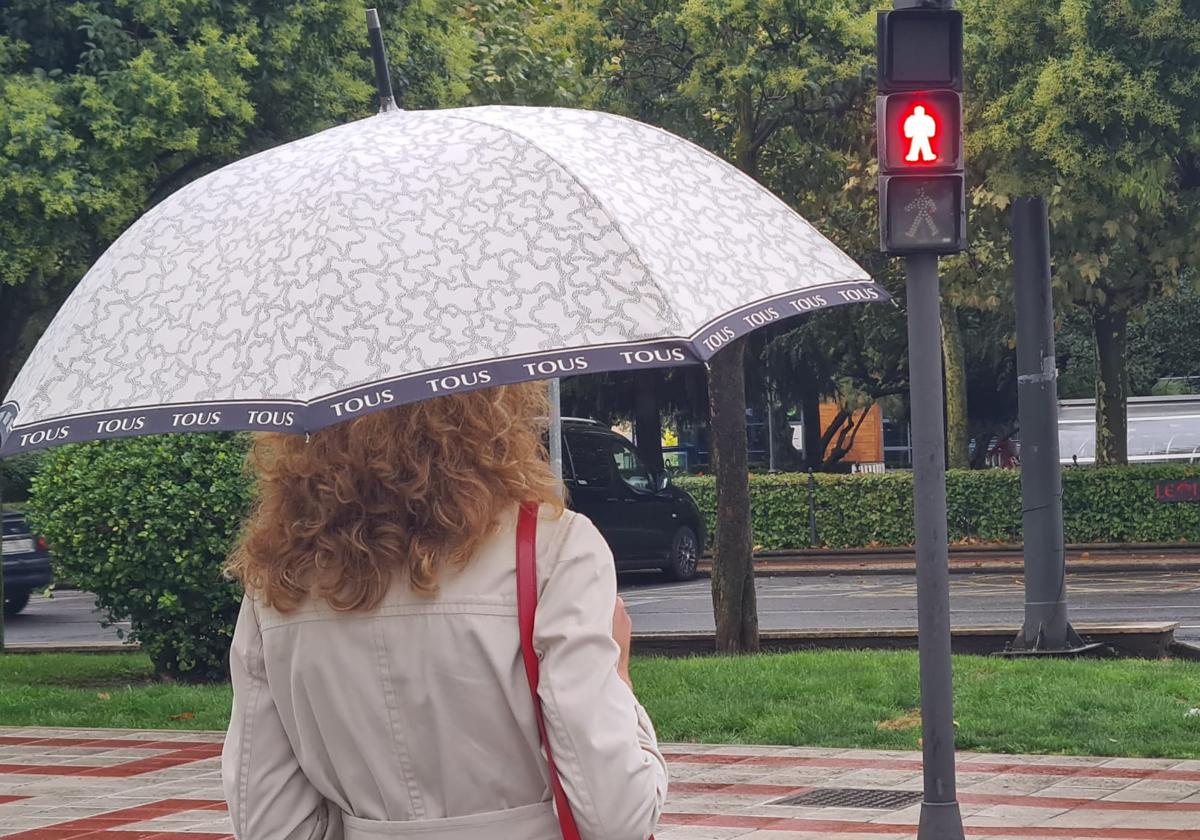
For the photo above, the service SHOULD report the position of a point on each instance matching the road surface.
(69, 618)
(886, 601)
(785, 603)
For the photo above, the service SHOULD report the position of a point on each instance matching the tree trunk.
(14, 318)
(734, 606)
(1112, 386)
(814, 443)
(647, 429)
(953, 358)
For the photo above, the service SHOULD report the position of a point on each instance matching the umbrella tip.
(383, 78)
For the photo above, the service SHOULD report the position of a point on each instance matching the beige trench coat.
(415, 720)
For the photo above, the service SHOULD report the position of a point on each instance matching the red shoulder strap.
(527, 595)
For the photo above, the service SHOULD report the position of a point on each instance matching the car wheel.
(685, 554)
(15, 601)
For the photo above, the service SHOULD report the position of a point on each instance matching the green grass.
(838, 698)
(826, 698)
(103, 690)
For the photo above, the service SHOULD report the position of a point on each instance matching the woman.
(379, 690)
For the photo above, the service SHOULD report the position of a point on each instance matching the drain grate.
(853, 798)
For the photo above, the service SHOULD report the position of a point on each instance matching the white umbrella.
(415, 254)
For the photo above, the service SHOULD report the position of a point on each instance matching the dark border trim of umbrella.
(299, 417)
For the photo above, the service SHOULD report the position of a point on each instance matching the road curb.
(1146, 640)
(799, 570)
(98, 647)
(992, 561)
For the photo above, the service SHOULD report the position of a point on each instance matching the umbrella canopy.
(415, 254)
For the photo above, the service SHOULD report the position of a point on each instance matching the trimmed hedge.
(146, 525)
(1105, 504)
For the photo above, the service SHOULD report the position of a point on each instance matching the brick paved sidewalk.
(123, 785)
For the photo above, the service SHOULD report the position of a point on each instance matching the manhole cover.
(853, 798)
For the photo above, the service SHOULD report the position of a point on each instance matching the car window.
(630, 467)
(591, 459)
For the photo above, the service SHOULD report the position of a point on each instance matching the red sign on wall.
(1182, 490)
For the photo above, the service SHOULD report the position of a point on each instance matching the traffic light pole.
(941, 818)
(922, 215)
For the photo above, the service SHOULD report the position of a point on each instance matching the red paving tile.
(173, 754)
(106, 826)
(732, 806)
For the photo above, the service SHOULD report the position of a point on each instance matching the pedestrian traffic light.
(922, 131)
(918, 118)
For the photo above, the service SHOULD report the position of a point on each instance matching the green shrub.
(15, 475)
(1109, 504)
(146, 524)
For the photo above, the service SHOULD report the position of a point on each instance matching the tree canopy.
(1092, 105)
(107, 106)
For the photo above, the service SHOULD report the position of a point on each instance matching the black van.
(648, 522)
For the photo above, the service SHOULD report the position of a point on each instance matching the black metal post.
(383, 78)
(1046, 626)
(941, 818)
(812, 509)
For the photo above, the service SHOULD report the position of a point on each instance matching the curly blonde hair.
(410, 490)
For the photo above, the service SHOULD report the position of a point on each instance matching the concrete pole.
(941, 818)
(1046, 625)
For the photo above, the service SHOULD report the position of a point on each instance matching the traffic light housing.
(922, 194)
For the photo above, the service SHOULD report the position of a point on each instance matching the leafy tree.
(522, 56)
(1163, 344)
(741, 78)
(107, 106)
(1092, 105)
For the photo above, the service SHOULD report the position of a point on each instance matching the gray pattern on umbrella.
(412, 254)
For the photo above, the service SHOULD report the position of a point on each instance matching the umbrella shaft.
(556, 441)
